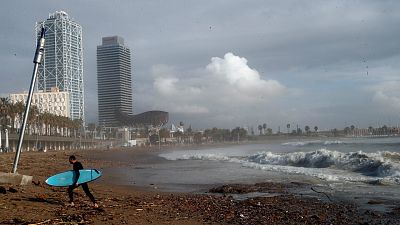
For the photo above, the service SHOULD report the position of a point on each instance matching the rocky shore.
(41, 204)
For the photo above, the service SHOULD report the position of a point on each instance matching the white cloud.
(386, 96)
(386, 103)
(234, 72)
(225, 86)
(166, 85)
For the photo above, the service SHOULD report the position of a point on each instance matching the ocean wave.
(369, 164)
(203, 156)
(371, 168)
(315, 142)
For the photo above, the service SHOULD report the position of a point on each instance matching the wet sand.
(41, 204)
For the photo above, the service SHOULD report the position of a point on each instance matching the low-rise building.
(55, 102)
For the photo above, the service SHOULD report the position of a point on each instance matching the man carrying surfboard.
(76, 167)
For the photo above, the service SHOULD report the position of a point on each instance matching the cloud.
(386, 96)
(236, 74)
(166, 85)
(226, 85)
(387, 103)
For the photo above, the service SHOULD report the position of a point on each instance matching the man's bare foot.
(95, 206)
(71, 204)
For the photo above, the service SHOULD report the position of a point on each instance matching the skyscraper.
(62, 65)
(114, 81)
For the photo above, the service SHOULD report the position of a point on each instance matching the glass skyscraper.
(114, 81)
(62, 65)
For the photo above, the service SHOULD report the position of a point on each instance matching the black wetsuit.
(78, 166)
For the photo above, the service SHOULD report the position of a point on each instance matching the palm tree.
(370, 130)
(92, 128)
(32, 117)
(346, 130)
(4, 111)
(316, 129)
(264, 127)
(288, 127)
(307, 129)
(260, 127)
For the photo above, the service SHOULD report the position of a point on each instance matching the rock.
(12, 190)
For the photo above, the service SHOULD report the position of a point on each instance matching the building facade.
(114, 81)
(54, 102)
(62, 65)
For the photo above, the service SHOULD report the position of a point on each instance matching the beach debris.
(17, 221)
(12, 190)
(375, 202)
(43, 222)
(37, 183)
(3, 190)
(321, 192)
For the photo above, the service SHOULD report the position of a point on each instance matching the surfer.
(76, 167)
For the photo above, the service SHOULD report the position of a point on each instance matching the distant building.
(114, 81)
(62, 65)
(54, 102)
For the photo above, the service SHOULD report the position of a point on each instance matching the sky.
(224, 63)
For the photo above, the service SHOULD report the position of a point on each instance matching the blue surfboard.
(66, 178)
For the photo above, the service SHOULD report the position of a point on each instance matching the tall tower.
(114, 80)
(62, 65)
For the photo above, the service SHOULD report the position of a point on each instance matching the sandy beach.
(39, 203)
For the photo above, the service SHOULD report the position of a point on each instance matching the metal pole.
(1, 147)
(36, 60)
(7, 143)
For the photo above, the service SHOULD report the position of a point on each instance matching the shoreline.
(126, 204)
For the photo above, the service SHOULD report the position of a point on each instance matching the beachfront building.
(54, 102)
(114, 81)
(62, 65)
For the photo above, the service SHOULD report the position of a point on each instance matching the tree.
(288, 127)
(316, 129)
(370, 130)
(4, 111)
(385, 129)
(264, 127)
(164, 133)
(307, 129)
(238, 134)
(260, 128)
(92, 128)
(346, 130)
(197, 138)
(189, 130)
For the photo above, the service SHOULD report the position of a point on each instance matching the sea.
(365, 171)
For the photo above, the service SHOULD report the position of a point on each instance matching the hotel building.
(62, 65)
(114, 81)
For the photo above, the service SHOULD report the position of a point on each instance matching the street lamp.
(6, 147)
(36, 60)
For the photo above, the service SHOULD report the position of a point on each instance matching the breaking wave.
(316, 142)
(379, 167)
(370, 164)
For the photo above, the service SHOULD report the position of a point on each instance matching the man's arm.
(77, 173)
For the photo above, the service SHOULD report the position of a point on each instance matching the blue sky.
(233, 63)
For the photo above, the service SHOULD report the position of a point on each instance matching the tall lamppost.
(1, 146)
(36, 60)
(6, 147)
